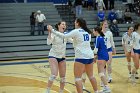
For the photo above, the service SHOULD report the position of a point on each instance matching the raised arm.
(50, 38)
(68, 35)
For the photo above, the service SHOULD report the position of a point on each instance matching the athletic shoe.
(105, 90)
(129, 75)
(84, 87)
(136, 75)
(109, 79)
(101, 84)
(133, 81)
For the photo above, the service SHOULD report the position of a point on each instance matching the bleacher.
(15, 39)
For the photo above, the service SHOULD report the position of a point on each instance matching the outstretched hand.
(49, 27)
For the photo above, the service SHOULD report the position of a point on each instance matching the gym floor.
(30, 76)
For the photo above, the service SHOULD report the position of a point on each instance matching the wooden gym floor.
(30, 76)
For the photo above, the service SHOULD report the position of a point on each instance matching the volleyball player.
(135, 52)
(102, 55)
(126, 43)
(110, 46)
(57, 56)
(83, 53)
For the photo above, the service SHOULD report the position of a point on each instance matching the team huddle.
(104, 48)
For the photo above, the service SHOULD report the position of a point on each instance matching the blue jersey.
(100, 45)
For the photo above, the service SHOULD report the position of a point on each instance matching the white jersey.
(58, 49)
(136, 40)
(81, 42)
(126, 41)
(109, 39)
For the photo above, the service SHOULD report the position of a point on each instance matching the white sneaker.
(109, 79)
(106, 90)
(48, 91)
(84, 87)
(129, 75)
(101, 84)
(133, 81)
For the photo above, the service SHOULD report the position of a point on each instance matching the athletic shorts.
(136, 51)
(105, 57)
(84, 61)
(110, 49)
(58, 59)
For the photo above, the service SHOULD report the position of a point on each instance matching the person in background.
(126, 43)
(135, 51)
(32, 23)
(40, 19)
(106, 4)
(110, 47)
(114, 28)
(78, 7)
(111, 2)
(100, 4)
(127, 16)
(90, 4)
(112, 16)
(119, 14)
(101, 17)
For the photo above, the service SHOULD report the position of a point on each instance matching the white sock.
(60, 91)
(48, 90)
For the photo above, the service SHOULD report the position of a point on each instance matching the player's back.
(81, 44)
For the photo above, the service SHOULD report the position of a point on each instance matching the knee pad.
(62, 80)
(101, 74)
(84, 76)
(77, 79)
(52, 77)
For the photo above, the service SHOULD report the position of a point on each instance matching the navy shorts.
(109, 49)
(58, 59)
(136, 51)
(84, 61)
(106, 58)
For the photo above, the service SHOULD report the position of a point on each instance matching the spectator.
(106, 4)
(114, 28)
(111, 2)
(130, 5)
(90, 4)
(119, 14)
(127, 16)
(100, 4)
(137, 7)
(40, 19)
(32, 23)
(78, 5)
(112, 16)
(85, 3)
(101, 17)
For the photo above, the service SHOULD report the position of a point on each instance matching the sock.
(60, 91)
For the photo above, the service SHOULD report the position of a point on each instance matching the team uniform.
(100, 45)
(109, 40)
(58, 49)
(81, 44)
(126, 40)
(136, 42)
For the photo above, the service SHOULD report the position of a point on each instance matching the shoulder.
(124, 34)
